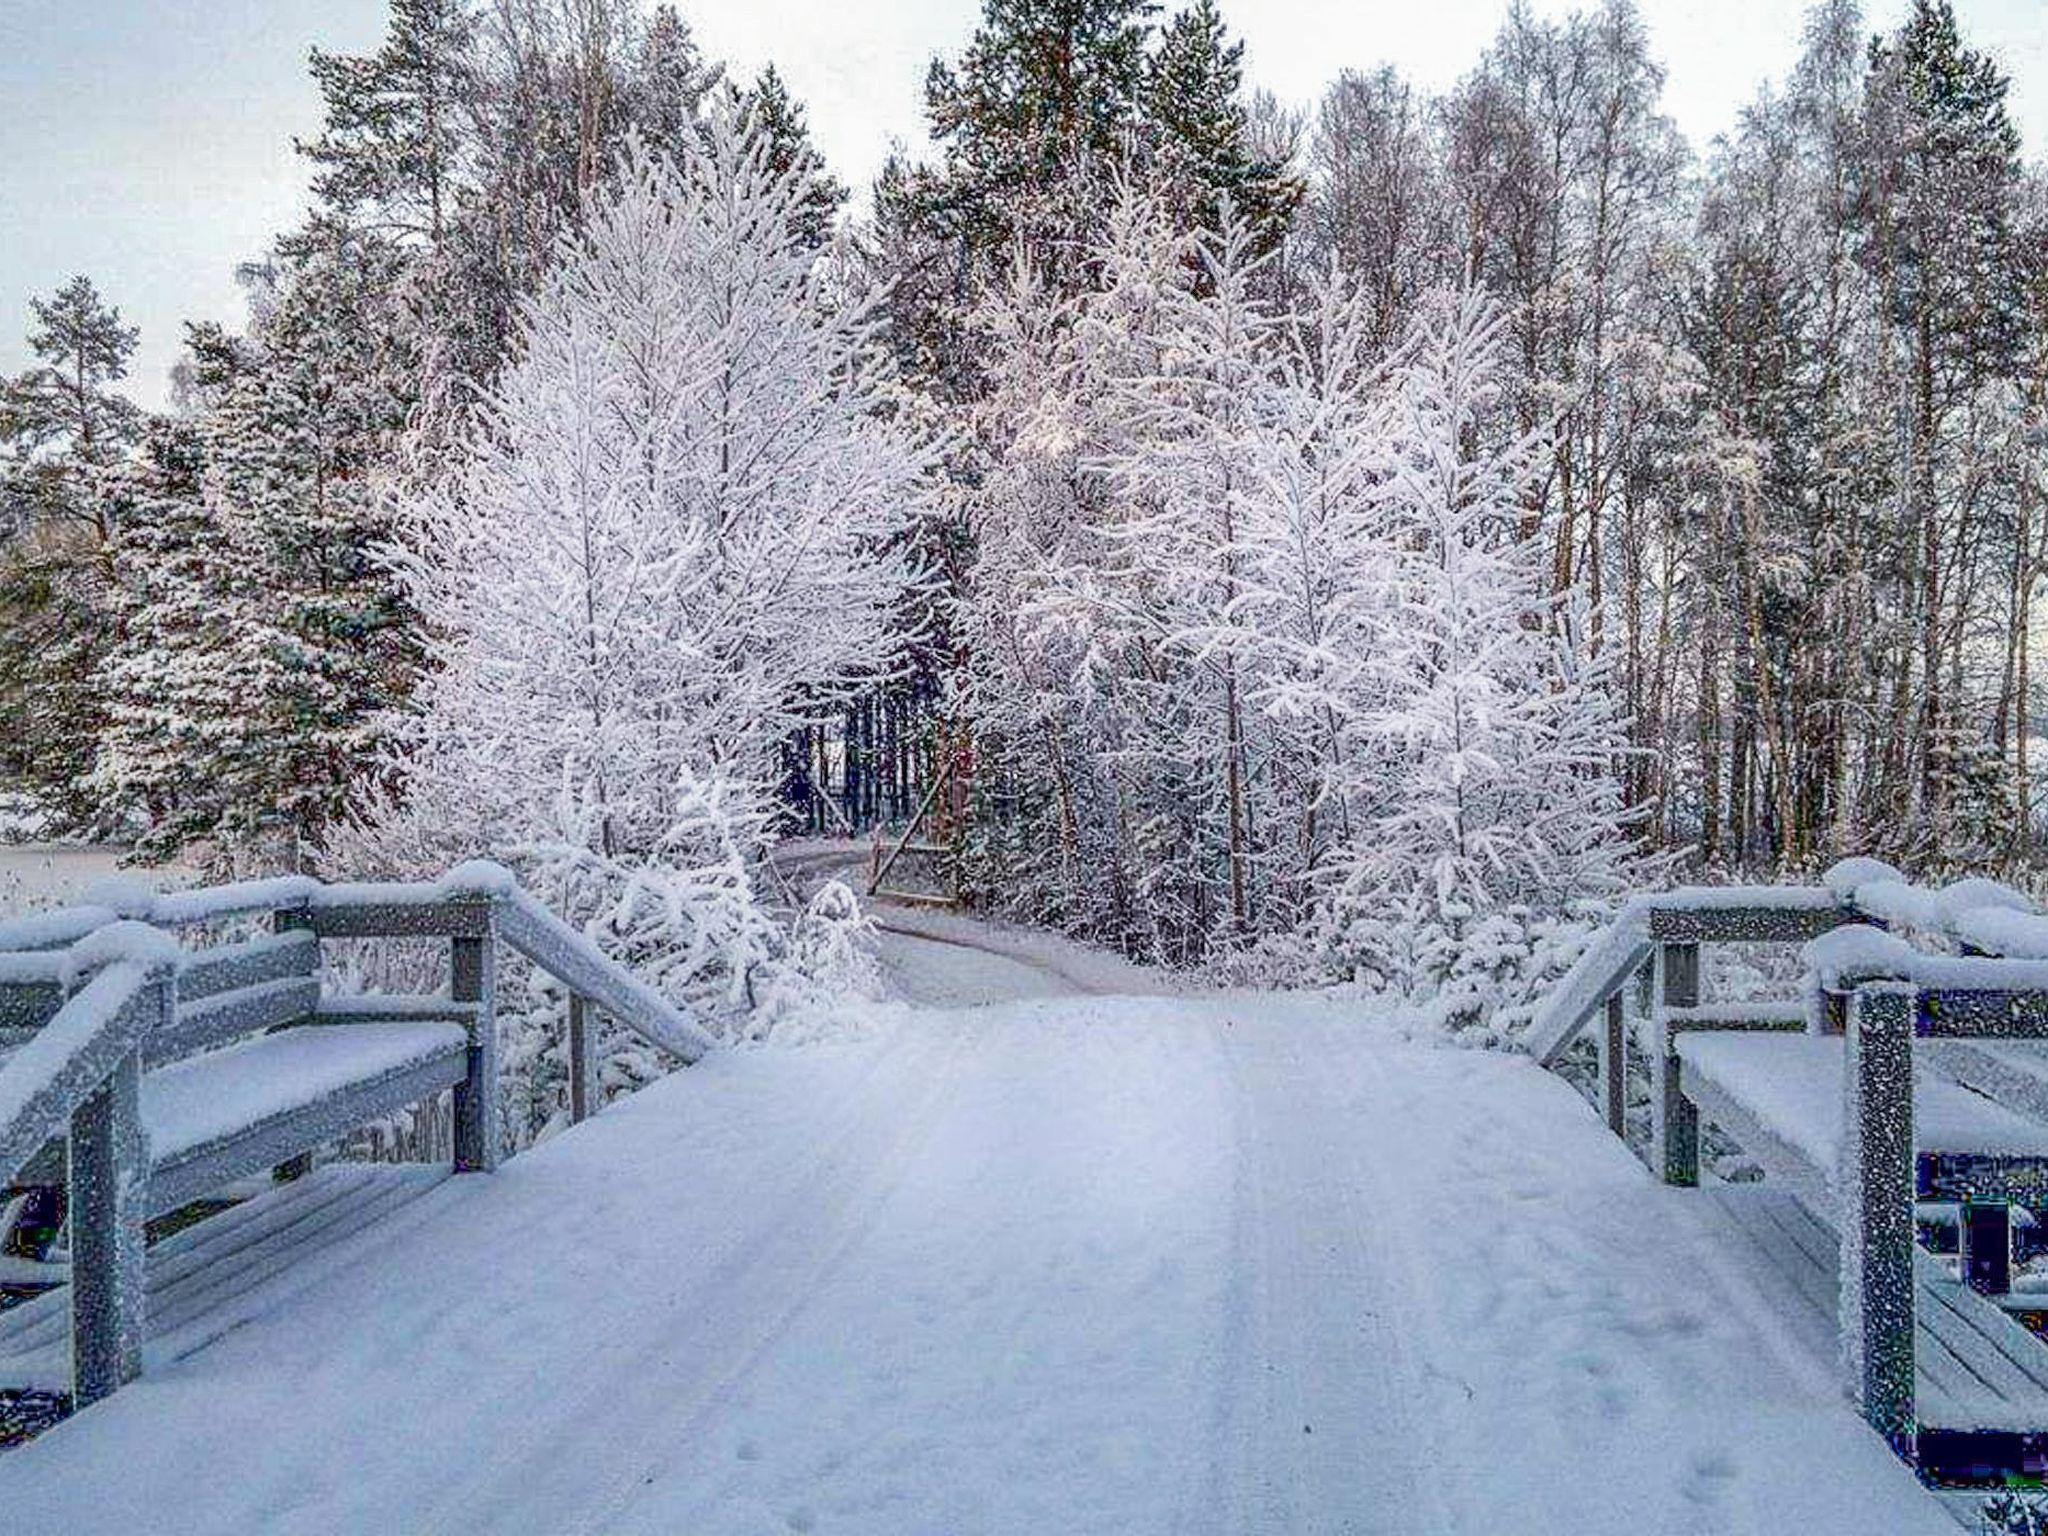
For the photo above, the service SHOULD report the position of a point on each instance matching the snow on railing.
(1979, 915)
(30, 947)
(1602, 969)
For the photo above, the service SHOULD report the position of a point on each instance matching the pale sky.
(148, 143)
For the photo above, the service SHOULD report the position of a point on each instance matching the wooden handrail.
(542, 937)
(65, 1061)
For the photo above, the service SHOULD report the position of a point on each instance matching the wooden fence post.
(109, 1204)
(1614, 1065)
(478, 1136)
(1676, 1124)
(582, 1062)
(1876, 1183)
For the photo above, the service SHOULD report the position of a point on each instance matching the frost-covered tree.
(674, 528)
(1190, 428)
(1499, 802)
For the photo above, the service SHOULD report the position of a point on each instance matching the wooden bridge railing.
(1848, 1147)
(96, 999)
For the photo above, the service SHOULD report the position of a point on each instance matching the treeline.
(1791, 394)
(203, 641)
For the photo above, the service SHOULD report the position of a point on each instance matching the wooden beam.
(108, 1206)
(1614, 1066)
(455, 918)
(1739, 925)
(1876, 1189)
(273, 957)
(1985, 1248)
(478, 1140)
(582, 1062)
(1675, 1131)
(228, 1016)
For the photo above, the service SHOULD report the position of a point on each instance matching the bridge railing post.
(1675, 1132)
(1875, 1183)
(1614, 1065)
(109, 1202)
(474, 979)
(582, 1060)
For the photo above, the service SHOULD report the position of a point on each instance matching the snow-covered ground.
(1076, 1263)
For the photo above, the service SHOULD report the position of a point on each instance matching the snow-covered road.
(1084, 1264)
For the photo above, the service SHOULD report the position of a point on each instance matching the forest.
(1350, 543)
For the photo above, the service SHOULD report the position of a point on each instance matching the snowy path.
(1085, 1264)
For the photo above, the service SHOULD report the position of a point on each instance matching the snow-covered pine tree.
(174, 741)
(1500, 804)
(673, 529)
(1200, 125)
(64, 430)
(317, 635)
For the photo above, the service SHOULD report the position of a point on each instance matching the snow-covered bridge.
(1028, 1256)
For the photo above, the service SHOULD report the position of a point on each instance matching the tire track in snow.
(1323, 1405)
(729, 1315)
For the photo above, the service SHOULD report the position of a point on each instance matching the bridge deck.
(1080, 1264)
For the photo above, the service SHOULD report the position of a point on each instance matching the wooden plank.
(1783, 1161)
(453, 919)
(1675, 1128)
(374, 1007)
(270, 957)
(228, 1016)
(1949, 1013)
(26, 1006)
(44, 1321)
(1614, 1065)
(1974, 1369)
(478, 1141)
(272, 1139)
(2015, 1075)
(582, 1064)
(1984, 1246)
(207, 1279)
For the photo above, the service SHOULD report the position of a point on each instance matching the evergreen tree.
(1937, 203)
(1042, 105)
(1194, 100)
(64, 432)
(780, 121)
(175, 744)
(389, 148)
(61, 420)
